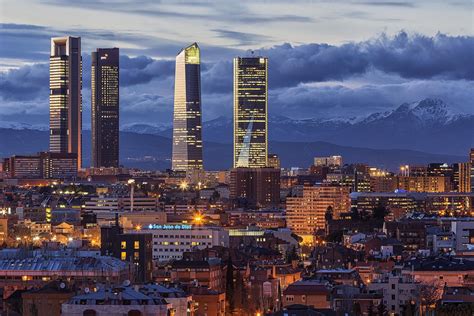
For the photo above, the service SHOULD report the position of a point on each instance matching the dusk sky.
(327, 58)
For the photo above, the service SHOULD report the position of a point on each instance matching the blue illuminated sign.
(170, 227)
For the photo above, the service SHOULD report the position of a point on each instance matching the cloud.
(25, 83)
(328, 100)
(305, 80)
(403, 4)
(241, 38)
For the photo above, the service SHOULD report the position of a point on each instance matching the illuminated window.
(124, 245)
(123, 256)
(136, 245)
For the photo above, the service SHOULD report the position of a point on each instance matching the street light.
(184, 185)
(131, 182)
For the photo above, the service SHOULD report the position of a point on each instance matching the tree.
(429, 294)
(355, 215)
(356, 309)
(291, 255)
(382, 310)
(408, 309)
(329, 213)
(379, 212)
(229, 285)
(370, 310)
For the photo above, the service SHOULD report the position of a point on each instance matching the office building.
(187, 121)
(43, 165)
(105, 207)
(170, 241)
(255, 187)
(65, 100)
(424, 184)
(471, 161)
(306, 214)
(105, 107)
(330, 161)
(250, 112)
(135, 248)
(274, 161)
(58, 165)
(462, 177)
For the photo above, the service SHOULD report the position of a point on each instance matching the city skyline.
(308, 80)
(306, 157)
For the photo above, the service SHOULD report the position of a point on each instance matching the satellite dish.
(62, 285)
(126, 283)
(86, 290)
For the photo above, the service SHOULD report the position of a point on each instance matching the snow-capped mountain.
(428, 125)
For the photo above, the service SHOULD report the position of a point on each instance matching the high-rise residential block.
(65, 100)
(105, 107)
(250, 112)
(306, 214)
(471, 161)
(187, 121)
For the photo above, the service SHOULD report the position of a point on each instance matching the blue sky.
(328, 58)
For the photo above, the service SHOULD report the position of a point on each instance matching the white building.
(170, 241)
(106, 207)
(463, 230)
(397, 291)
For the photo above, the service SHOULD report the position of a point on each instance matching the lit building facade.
(330, 161)
(250, 112)
(105, 107)
(471, 161)
(65, 100)
(44, 165)
(306, 214)
(170, 241)
(187, 121)
(462, 176)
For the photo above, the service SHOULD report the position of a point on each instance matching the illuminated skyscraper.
(187, 124)
(105, 107)
(250, 112)
(65, 99)
(471, 160)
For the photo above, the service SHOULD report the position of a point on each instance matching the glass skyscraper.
(65, 99)
(187, 122)
(250, 112)
(105, 107)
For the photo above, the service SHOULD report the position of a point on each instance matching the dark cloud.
(142, 69)
(25, 83)
(404, 4)
(305, 80)
(241, 38)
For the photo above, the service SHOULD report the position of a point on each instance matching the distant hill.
(427, 125)
(149, 151)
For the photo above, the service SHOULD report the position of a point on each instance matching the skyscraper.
(105, 107)
(65, 99)
(250, 112)
(187, 124)
(471, 160)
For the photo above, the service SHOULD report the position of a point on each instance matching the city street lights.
(131, 182)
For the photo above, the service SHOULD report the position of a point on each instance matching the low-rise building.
(123, 300)
(309, 293)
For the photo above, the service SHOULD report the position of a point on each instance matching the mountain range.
(415, 133)
(427, 125)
